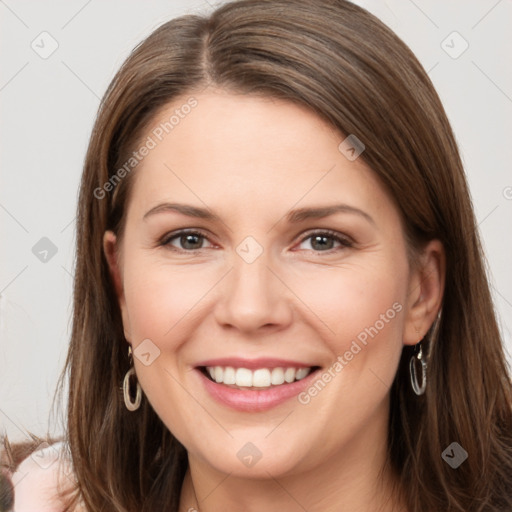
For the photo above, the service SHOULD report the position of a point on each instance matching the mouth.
(258, 389)
(258, 379)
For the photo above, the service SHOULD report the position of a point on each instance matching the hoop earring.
(130, 404)
(418, 356)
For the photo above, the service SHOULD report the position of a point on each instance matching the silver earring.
(418, 356)
(130, 404)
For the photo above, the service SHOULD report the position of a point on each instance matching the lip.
(255, 364)
(254, 400)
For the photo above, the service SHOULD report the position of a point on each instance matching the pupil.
(186, 239)
(321, 239)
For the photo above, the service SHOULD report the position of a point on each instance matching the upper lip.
(254, 364)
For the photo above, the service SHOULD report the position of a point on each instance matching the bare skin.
(250, 161)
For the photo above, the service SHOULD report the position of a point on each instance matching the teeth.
(229, 375)
(289, 374)
(277, 376)
(260, 378)
(301, 373)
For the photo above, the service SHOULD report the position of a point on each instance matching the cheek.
(363, 308)
(354, 302)
(161, 303)
(159, 298)
(359, 312)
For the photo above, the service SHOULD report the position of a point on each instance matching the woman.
(280, 300)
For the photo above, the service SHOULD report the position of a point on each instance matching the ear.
(425, 292)
(112, 255)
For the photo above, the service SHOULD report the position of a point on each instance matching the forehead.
(238, 151)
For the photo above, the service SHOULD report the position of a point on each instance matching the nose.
(252, 297)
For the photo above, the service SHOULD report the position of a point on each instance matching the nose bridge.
(252, 296)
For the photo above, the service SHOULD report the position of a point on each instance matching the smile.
(256, 390)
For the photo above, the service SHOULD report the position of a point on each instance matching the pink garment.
(38, 478)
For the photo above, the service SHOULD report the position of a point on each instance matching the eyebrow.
(302, 214)
(185, 209)
(292, 217)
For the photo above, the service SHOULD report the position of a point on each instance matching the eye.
(188, 240)
(324, 240)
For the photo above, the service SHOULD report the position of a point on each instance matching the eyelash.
(344, 241)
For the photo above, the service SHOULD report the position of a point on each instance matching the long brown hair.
(351, 70)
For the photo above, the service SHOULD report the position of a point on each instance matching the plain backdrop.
(57, 58)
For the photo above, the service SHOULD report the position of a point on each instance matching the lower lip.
(255, 400)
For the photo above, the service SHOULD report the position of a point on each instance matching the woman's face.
(269, 280)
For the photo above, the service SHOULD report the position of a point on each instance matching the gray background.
(48, 107)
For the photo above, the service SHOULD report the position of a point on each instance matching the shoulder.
(39, 478)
